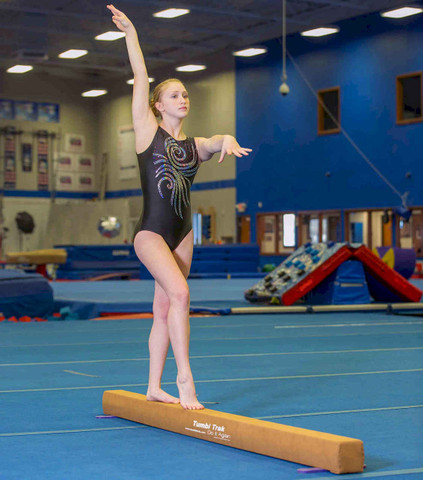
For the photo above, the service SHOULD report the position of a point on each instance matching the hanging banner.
(66, 181)
(26, 111)
(85, 182)
(42, 154)
(74, 143)
(48, 112)
(7, 109)
(86, 163)
(10, 161)
(65, 162)
(26, 157)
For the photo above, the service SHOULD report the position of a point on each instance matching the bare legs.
(159, 345)
(171, 313)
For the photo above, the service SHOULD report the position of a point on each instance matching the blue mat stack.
(87, 261)
(213, 261)
(24, 294)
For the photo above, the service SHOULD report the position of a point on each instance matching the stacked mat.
(212, 260)
(87, 261)
(24, 294)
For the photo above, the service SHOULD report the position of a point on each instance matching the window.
(268, 240)
(196, 227)
(289, 230)
(329, 118)
(276, 233)
(409, 98)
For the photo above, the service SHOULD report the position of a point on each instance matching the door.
(244, 228)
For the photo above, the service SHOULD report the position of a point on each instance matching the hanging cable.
(284, 76)
(404, 196)
(284, 89)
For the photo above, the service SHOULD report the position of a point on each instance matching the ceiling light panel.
(20, 69)
(402, 12)
(171, 13)
(320, 32)
(190, 68)
(94, 93)
(73, 53)
(110, 36)
(250, 52)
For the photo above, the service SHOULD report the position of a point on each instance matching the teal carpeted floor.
(358, 375)
(90, 299)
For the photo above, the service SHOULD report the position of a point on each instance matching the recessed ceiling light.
(73, 53)
(190, 68)
(402, 12)
(110, 36)
(171, 13)
(94, 93)
(20, 69)
(250, 52)
(319, 32)
(131, 80)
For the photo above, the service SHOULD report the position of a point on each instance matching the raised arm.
(142, 115)
(226, 144)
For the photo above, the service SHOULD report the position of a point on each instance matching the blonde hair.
(157, 93)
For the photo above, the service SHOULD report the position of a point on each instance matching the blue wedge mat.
(90, 299)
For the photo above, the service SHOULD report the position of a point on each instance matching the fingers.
(113, 9)
(238, 152)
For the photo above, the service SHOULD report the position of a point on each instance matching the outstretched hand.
(120, 19)
(231, 147)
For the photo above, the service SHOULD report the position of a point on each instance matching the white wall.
(212, 96)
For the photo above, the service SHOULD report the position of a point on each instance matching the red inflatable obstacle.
(312, 264)
(317, 275)
(387, 276)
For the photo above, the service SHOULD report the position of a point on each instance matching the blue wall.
(286, 171)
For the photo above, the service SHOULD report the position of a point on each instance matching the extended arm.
(141, 112)
(226, 144)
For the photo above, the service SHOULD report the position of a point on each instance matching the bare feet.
(160, 396)
(187, 393)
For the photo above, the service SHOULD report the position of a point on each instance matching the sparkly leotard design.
(176, 169)
(167, 170)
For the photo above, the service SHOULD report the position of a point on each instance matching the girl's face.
(174, 100)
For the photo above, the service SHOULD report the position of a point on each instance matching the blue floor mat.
(90, 299)
(357, 375)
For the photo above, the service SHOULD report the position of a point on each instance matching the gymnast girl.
(163, 242)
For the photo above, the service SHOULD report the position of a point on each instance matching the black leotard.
(167, 170)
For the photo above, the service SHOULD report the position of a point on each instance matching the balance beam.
(38, 257)
(307, 447)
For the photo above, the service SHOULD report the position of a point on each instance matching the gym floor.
(351, 374)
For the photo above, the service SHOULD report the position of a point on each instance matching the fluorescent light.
(73, 53)
(402, 12)
(110, 36)
(250, 52)
(319, 32)
(171, 13)
(190, 68)
(131, 81)
(20, 69)
(94, 93)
